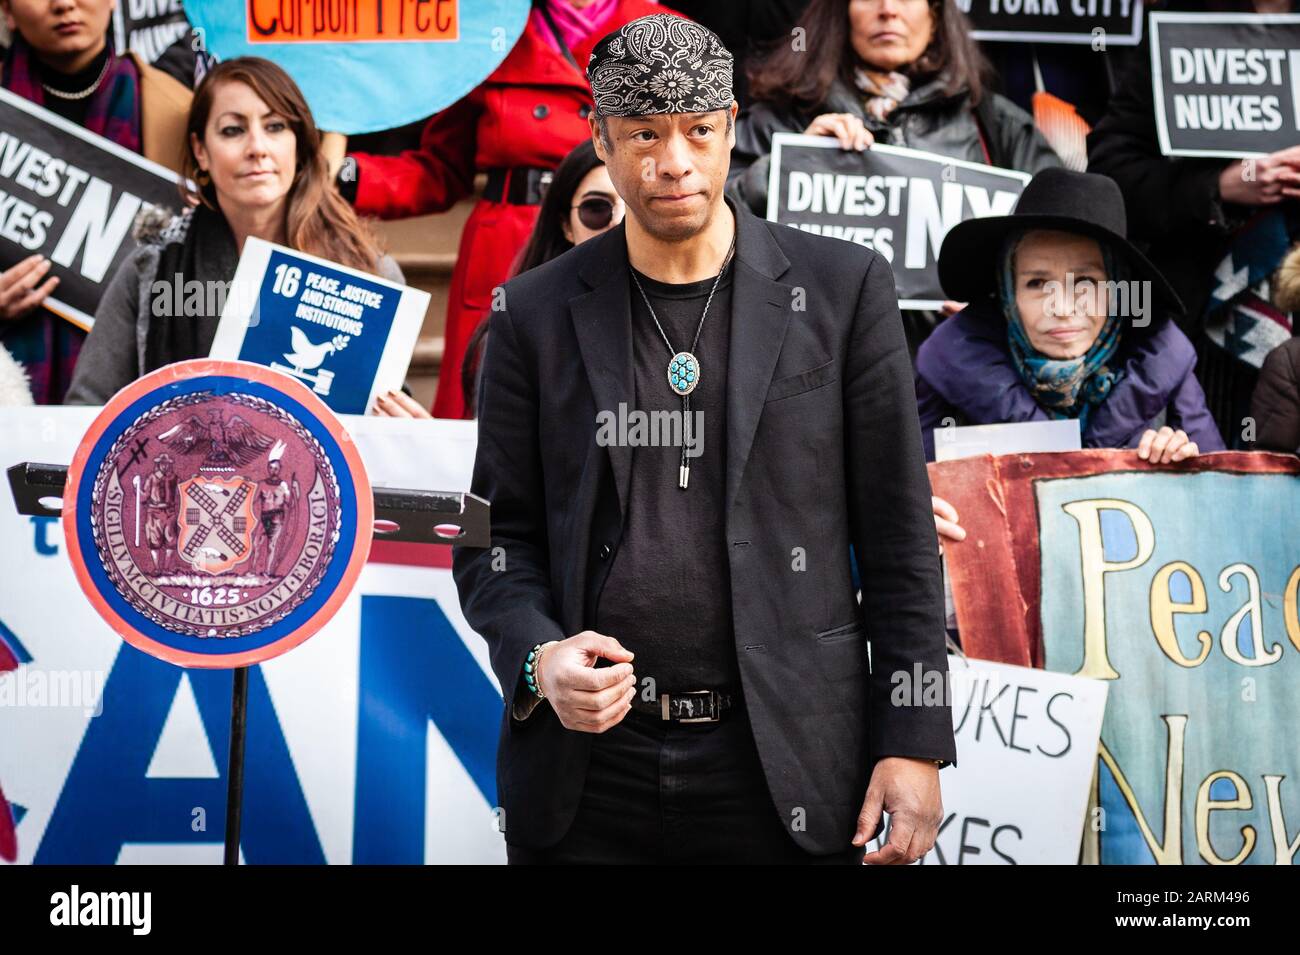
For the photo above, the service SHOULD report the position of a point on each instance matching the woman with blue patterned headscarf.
(1068, 378)
(1066, 320)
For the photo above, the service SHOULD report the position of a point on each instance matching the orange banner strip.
(352, 21)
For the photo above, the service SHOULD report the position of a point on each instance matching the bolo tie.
(684, 366)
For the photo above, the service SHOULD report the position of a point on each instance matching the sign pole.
(235, 764)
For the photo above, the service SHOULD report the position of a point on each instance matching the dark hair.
(801, 79)
(471, 363)
(318, 220)
(547, 240)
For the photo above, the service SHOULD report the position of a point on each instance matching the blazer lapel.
(602, 321)
(759, 318)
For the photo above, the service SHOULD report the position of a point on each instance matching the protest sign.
(349, 57)
(1097, 564)
(1094, 22)
(346, 334)
(1026, 749)
(1226, 84)
(899, 202)
(148, 27)
(71, 196)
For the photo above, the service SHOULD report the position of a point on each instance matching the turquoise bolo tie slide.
(683, 373)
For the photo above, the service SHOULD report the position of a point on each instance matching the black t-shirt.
(668, 594)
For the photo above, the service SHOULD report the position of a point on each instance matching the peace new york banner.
(1178, 586)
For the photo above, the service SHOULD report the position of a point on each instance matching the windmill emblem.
(216, 522)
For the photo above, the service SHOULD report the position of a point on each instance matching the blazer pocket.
(840, 634)
(792, 385)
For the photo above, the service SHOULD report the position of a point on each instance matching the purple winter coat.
(964, 371)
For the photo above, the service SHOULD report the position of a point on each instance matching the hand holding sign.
(19, 292)
(1166, 446)
(1262, 182)
(398, 404)
(845, 127)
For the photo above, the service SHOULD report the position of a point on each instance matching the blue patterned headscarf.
(1070, 387)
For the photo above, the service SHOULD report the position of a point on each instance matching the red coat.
(530, 112)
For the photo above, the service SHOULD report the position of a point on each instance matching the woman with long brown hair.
(255, 155)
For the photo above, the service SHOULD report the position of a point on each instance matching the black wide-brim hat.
(1058, 199)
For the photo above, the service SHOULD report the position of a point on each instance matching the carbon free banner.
(367, 65)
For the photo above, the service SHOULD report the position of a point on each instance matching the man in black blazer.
(684, 425)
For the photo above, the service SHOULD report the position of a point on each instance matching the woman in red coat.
(516, 126)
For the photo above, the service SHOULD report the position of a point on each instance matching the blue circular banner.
(367, 65)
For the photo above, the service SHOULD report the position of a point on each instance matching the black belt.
(695, 706)
(517, 185)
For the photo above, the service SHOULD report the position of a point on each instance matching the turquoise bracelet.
(530, 671)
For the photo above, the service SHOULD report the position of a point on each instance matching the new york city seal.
(217, 513)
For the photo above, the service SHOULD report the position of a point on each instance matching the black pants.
(677, 793)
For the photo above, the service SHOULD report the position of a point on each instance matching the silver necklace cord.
(684, 467)
(700, 327)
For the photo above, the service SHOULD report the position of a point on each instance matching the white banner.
(375, 741)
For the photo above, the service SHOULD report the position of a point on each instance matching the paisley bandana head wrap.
(1064, 388)
(660, 64)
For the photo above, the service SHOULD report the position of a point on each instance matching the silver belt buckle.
(706, 699)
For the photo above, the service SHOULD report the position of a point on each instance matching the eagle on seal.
(223, 444)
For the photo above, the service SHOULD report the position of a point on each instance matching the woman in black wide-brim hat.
(1066, 319)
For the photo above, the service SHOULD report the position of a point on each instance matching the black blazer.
(823, 452)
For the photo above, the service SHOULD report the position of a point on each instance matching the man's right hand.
(586, 698)
(19, 293)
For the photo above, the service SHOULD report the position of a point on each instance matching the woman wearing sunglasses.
(579, 203)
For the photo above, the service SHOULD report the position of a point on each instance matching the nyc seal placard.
(217, 514)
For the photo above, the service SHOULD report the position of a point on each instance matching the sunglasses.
(595, 212)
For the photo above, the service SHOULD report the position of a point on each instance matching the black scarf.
(206, 255)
